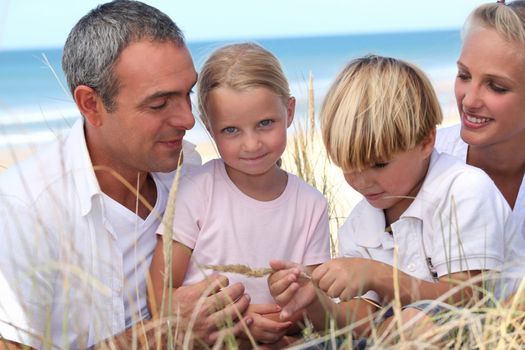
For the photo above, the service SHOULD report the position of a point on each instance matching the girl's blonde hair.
(376, 107)
(507, 20)
(240, 67)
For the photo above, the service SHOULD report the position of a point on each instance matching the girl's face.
(249, 128)
(392, 184)
(490, 90)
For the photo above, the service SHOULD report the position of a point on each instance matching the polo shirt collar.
(372, 220)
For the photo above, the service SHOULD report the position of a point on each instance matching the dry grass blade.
(240, 269)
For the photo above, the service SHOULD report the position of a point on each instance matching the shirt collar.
(372, 220)
(76, 156)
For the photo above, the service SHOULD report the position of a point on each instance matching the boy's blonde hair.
(507, 20)
(376, 107)
(240, 67)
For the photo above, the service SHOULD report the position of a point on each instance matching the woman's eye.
(379, 165)
(229, 130)
(497, 88)
(462, 76)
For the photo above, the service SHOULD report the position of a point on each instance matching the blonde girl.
(243, 208)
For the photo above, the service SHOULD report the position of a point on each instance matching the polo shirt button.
(411, 267)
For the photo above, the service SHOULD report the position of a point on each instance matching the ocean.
(35, 105)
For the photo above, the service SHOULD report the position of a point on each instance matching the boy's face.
(393, 184)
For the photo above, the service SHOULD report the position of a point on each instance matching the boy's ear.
(290, 111)
(428, 143)
(90, 105)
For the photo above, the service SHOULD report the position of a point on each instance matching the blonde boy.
(446, 219)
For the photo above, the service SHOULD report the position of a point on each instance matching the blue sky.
(46, 23)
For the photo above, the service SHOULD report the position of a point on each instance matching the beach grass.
(483, 323)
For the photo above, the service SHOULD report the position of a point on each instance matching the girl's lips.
(253, 159)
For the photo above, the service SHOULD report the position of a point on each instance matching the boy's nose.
(357, 180)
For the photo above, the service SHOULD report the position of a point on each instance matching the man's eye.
(159, 106)
(229, 130)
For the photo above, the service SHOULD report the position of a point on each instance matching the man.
(79, 218)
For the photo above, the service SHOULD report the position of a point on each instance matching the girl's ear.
(90, 105)
(290, 111)
(428, 142)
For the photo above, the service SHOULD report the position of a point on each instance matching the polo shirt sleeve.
(26, 275)
(345, 243)
(347, 248)
(469, 225)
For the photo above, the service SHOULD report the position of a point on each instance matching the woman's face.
(490, 89)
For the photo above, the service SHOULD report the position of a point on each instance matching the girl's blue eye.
(266, 122)
(229, 130)
(380, 165)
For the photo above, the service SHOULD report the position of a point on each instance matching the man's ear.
(90, 105)
(428, 143)
(290, 111)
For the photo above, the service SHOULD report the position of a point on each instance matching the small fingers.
(266, 330)
(235, 330)
(282, 265)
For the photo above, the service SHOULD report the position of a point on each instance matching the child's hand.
(345, 278)
(289, 288)
(266, 327)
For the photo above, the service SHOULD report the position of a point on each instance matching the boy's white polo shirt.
(455, 223)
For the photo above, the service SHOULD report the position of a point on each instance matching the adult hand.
(345, 278)
(211, 307)
(289, 288)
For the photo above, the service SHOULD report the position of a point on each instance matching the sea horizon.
(35, 105)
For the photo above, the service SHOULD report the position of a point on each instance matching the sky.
(46, 23)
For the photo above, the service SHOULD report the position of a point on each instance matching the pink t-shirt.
(222, 225)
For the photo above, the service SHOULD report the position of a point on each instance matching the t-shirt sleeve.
(184, 219)
(471, 222)
(318, 246)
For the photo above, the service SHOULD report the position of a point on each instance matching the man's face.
(153, 109)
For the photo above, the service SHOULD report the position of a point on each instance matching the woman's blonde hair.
(240, 67)
(376, 107)
(507, 20)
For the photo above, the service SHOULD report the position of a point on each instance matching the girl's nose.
(251, 143)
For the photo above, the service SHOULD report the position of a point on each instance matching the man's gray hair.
(96, 41)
